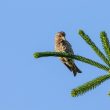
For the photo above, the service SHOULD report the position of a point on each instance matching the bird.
(62, 45)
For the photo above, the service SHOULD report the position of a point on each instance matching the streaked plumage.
(62, 45)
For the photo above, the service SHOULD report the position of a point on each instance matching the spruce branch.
(105, 43)
(93, 46)
(76, 57)
(109, 93)
(89, 85)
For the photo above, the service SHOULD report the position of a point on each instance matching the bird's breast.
(59, 47)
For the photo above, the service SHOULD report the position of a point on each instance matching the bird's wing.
(67, 47)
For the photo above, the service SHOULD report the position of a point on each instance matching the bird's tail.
(75, 69)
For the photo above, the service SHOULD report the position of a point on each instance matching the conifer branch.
(106, 44)
(76, 57)
(93, 46)
(89, 85)
(109, 93)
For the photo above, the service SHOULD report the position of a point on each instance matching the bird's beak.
(63, 38)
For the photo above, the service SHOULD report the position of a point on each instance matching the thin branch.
(76, 57)
(93, 46)
(109, 93)
(89, 85)
(105, 43)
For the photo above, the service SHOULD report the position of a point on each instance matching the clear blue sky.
(27, 26)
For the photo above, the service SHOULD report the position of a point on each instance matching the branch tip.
(36, 55)
(103, 33)
(81, 32)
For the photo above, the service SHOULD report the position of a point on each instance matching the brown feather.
(62, 45)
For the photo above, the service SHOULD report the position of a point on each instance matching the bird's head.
(60, 35)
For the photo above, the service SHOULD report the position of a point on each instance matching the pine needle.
(89, 85)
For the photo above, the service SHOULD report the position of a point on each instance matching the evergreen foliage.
(97, 81)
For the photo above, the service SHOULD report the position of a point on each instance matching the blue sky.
(27, 26)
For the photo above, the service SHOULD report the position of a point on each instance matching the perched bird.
(62, 45)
